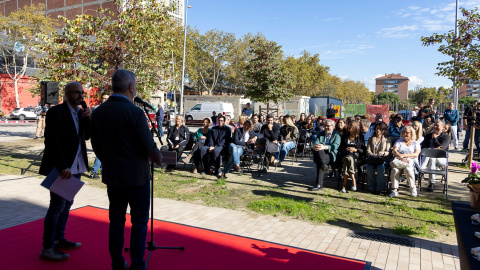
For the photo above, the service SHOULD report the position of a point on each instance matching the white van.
(202, 110)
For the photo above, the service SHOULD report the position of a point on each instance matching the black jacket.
(442, 140)
(219, 136)
(288, 133)
(359, 145)
(62, 140)
(271, 135)
(238, 134)
(123, 143)
(331, 113)
(183, 135)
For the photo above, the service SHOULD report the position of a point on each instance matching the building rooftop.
(392, 76)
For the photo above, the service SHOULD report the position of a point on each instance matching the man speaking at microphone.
(123, 142)
(66, 130)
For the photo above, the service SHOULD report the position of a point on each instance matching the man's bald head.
(121, 80)
(72, 86)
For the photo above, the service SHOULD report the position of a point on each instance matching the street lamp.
(183, 61)
(455, 88)
(173, 82)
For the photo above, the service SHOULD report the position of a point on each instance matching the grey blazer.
(383, 149)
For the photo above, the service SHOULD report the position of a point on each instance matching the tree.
(464, 49)
(21, 40)
(308, 75)
(266, 79)
(211, 51)
(466, 100)
(388, 96)
(89, 47)
(423, 94)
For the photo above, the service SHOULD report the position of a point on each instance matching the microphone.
(139, 100)
(84, 104)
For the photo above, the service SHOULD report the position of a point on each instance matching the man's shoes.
(187, 159)
(237, 168)
(36, 138)
(195, 170)
(94, 175)
(67, 245)
(431, 187)
(316, 188)
(276, 161)
(53, 254)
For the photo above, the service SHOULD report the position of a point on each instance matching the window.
(390, 81)
(197, 107)
(391, 86)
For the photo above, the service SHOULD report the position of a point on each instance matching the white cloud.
(425, 20)
(347, 49)
(343, 77)
(414, 81)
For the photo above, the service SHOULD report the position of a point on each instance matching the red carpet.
(204, 249)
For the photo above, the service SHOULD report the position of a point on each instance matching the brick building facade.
(394, 83)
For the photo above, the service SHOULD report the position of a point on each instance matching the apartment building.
(393, 83)
(472, 89)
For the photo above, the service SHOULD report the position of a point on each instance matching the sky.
(359, 40)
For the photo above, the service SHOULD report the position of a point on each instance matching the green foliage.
(423, 94)
(24, 27)
(308, 75)
(353, 92)
(89, 48)
(466, 100)
(266, 78)
(464, 50)
(387, 96)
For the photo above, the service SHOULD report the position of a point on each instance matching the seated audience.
(378, 150)
(417, 127)
(241, 120)
(199, 139)
(437, 139)
(257, 126)
(214, 118)
(365, 129)
(261, 119)
(229, 125)
(427, 125)
(270, 131)
(217, 141)
(288, 134)
(325, 151)
(302, 121)
(448, 129)
(397, 126)
(177, 139)
(340, 126)
(351, 148)
(405, 152)
(350, 119)
(318, 124)
(358, 117)
(242, 139)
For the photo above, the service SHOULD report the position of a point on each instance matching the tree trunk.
(16, 92)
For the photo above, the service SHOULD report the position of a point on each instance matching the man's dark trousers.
(56, 219)
(138, 198)
(320, 158)
(216, 156)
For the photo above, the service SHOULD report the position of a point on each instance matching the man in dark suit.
(216, 142)
(67, 128)
(123, 142)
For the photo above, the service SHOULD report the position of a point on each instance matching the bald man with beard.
(67, 128)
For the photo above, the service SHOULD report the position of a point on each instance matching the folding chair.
(434, 153)
(257, 156)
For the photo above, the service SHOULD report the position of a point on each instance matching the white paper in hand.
(66, 188)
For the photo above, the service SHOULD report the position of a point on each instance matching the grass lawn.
(284, 194)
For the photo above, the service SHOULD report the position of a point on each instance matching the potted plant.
(473, 183)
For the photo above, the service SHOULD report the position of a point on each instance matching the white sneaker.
(344, 190)
(354, 188)
(276, 161)
(414, 193)
(394, 194)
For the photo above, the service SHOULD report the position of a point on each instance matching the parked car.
(202, 110)
(23, 113)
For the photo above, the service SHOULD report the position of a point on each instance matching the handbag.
(375, 160)
(398, 164)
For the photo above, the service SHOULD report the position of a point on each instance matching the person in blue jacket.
(451, 117)
(396, 129)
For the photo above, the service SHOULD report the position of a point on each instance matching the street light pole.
(183, 61)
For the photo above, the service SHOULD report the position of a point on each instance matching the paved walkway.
(22, 199)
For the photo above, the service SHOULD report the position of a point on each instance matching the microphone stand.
(151, 244)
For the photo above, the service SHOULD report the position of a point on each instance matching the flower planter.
(475, 199)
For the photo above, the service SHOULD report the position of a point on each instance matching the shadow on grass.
(275, 194)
